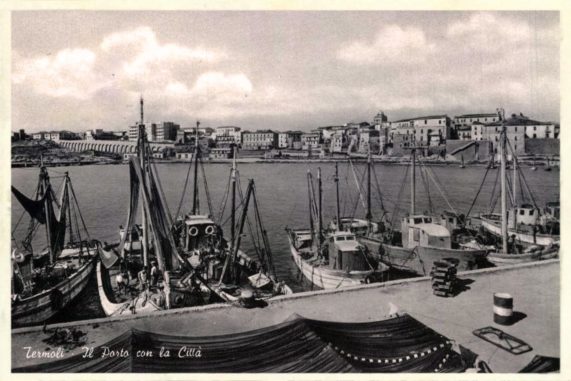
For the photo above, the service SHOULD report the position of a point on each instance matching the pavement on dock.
(535, 289)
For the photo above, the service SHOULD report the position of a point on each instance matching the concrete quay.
(535, 288)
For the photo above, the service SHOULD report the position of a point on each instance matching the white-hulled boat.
(346, 263)
(514, 225)
(44, 285)
(422, 240)
(331, 258)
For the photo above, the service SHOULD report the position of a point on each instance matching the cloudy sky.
(281, 70)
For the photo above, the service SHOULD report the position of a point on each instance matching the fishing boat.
(331, 259)
(518, 244)
(192, 261)
(526, 222)
(422, 240)
(45, 282)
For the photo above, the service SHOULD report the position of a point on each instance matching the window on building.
(515, 128)
(534, 136)
(425, 121)
(534, 128)
(515, 137)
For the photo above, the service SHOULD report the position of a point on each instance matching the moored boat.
(43, 284)
(328, 258)
(192, 263)
(422, 240)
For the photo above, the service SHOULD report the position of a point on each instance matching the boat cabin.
(201, 232)
(421, 230)
(451, 220)
(525, 214)
(553, 209)
(346, 253)
(358, 226)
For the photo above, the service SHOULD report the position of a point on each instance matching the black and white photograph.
(284, 191)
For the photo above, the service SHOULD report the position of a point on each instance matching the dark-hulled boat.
(44, 283)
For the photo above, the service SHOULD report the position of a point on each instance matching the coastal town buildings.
(223, 132)
(167, 131)
(260, 140)
(310, 141)
(428, 130)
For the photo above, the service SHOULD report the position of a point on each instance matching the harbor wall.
(548, 147)
(534, 286)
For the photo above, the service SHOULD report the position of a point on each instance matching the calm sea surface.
(103, 194)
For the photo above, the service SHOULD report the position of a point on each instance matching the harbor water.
(103, 195)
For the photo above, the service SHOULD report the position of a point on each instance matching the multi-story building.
(491, 132)
(463, 123)
(369, 140)
(150, 129)
(38, 135)
(469, 119)
(290, 139)
(310, 140)
(260, 140)
(167, 131)
(338, 142)
(428, 130)
(232, 131)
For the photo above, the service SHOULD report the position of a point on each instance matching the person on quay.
(155, 273)
(143, 278)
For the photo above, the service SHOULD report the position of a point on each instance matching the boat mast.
(195, 206)
(44, 181)
(141, 155)
(309, 180)
(233, 180)
(319, 206)
(503, 183)
(369, 216)
(412, 181)
(337, 192)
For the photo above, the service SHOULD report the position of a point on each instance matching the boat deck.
(534, 286)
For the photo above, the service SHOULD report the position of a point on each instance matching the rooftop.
(518, 120)
(492, 114)
(422, 117)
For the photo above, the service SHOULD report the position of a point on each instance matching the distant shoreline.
(384, 161)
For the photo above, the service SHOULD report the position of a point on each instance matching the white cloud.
(392, 45)
(67, 74)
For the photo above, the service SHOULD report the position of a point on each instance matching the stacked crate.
(444, 277)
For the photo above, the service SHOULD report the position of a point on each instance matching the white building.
(232, 131)
(427, 129)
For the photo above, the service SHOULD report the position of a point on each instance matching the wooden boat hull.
(326, 278)
(540, 239)
(38, 308)
(499, 259)
(421, 259)
(138, 305)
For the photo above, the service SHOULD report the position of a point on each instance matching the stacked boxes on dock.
(444, 277)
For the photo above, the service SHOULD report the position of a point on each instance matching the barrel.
(503, 308)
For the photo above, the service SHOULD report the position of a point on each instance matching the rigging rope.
(478, 193)
(183, 191)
